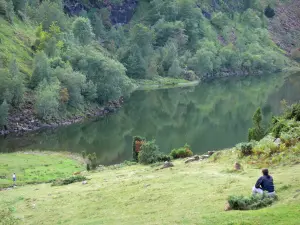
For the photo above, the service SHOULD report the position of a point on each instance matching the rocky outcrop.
(24, 120)
(119, 13)
(285, 25)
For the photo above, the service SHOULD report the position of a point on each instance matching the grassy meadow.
(36, 167)
(194, 193)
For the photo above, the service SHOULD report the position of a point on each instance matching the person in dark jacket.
(264, 183)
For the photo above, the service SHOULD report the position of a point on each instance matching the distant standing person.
(264, 183)
(14, 178)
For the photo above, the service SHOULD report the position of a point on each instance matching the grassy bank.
(163, 82)
(37, 167)
(192, 193)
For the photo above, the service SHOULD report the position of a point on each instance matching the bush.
(92, 161)
(136, 146)
(4, 107)
(294, 112)
(70, 180)
(183, 152)
(83, 30)
(252, 202)
(47, 100)
(41, 70)
(150, 153)
(245, 149)
(257, 132)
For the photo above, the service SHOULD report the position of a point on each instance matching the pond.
(210, 116)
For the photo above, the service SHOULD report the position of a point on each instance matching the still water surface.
(210, 116)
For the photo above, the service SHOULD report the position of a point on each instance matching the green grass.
(16, 40)
(193, 193)
(163, 82)
(36, 167)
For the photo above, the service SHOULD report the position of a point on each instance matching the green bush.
(257, 132)
(4, 107)
(70, 180)
(6, 217)
(92, 161)
(83, 30)
(136, 146)
(183, 152)
(150, 153)
(245, 149)
(47, 100)
(294, 112)
(2, 7)
(252, 202)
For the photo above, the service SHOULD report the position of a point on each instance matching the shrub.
(92, 161)
(250, 203)
(150, 153)
(41, 70)
(47, 100)
(7, 218)
(257, 132)
(4, 107)
(83, 30)
(136, 146)
(2, 7)
(245, 149)
(183, 152)
(269, 12)
(70, 180)
(294, 112)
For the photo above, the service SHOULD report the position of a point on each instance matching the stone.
(237, 166)
(192, 159)
(167, 165)
(84, 182)
(277, 141)
(227, 207)
(210, 153)
(205, 156)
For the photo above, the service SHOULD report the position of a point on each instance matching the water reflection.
(210, 116)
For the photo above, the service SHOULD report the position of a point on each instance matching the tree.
(41, 70)
(47, 99)
(257, 132)
(17, 88)
(49, 12)
(4, 107)
(175, 70)
(82, 30)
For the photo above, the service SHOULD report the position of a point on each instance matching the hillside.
(63, 60)
(194, 193)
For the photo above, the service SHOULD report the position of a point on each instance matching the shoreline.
(24, 120)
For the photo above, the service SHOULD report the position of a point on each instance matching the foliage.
(70, 180)
(6, 217)
(257, 132)
(82, 30)
(137, 142)
(92, 161)
(41, 70)
(183, 152)
(252, 202)
(4, 107)
(47, 13)
(293, 112)
(150, 153)
(269, 12)
(47, 99)
(245, 149)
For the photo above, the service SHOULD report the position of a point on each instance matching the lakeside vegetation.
(135, 193)
(63, 64)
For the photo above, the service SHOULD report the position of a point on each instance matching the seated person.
(264, 183)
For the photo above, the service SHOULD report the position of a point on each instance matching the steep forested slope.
(60, 58)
